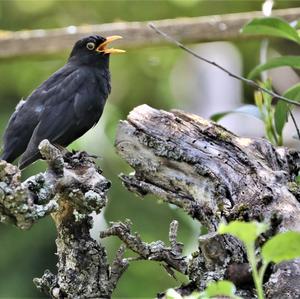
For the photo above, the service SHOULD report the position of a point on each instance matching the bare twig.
(177, 247)
(118, 267)
(295, 123)
(157, 251)
(247, 81)
(136, 34)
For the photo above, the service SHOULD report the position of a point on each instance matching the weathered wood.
(70, 189)
(188, 161)
(214, 176)
(155, 251)
(136, 34)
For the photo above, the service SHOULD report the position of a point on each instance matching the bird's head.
(92, 50)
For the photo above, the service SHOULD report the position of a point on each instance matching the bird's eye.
(90, 46)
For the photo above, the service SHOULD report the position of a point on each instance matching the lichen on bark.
(187, 161)
(71, 189)
(214, 176)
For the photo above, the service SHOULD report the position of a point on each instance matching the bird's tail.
(26, 160)
(10, 157)
(7, 156)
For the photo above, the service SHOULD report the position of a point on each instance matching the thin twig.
(247, 81)
(155, 251)
(295, 123)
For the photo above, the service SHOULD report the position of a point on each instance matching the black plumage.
(65, 106)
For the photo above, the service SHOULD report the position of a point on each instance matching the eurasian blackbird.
(65, 106)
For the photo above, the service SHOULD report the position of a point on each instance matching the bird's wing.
(27, 114)
(50, 127)
(65, 117)
(18, 131)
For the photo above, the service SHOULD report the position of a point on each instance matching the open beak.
(102, 47)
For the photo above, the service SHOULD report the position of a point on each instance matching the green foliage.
(264, 103)
(214, 289)
(282, 108)
(250, 110)
(282, 247)
(281, 116)
(219, 288)
(271, 27)
(297, 179)
(292, 61)
(140, 75)
(275, 120)
(172, 294)
(274, 116)
(247, 232)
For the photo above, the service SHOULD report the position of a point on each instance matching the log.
(136, 34)
(215, 176)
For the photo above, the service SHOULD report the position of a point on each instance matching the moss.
(223, 134)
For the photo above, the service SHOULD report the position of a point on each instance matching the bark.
(157, 251)
(195, 164)
(70, 189)
(215, 176)
(136, 34)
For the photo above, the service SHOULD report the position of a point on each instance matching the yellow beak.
(102, 47)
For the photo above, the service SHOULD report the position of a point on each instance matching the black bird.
(65, 106)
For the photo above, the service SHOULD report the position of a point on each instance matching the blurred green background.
(140, 76)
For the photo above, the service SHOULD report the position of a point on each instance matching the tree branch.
(136, 34)
(214, 176)
(70, 190)
(196, 164)
(247, 81)
(156, 251)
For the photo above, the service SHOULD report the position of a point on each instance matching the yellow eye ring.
(91, 46)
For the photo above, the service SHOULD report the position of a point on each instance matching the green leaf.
(295, 24)
(271, 27)
(292, 61)
(297, 178)
(251, 110)
(195, 295)
(281, 116)
(293, 92)
(282, 108)
(245, 231)
(172, 294)
(282, 247)
(220, 288)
